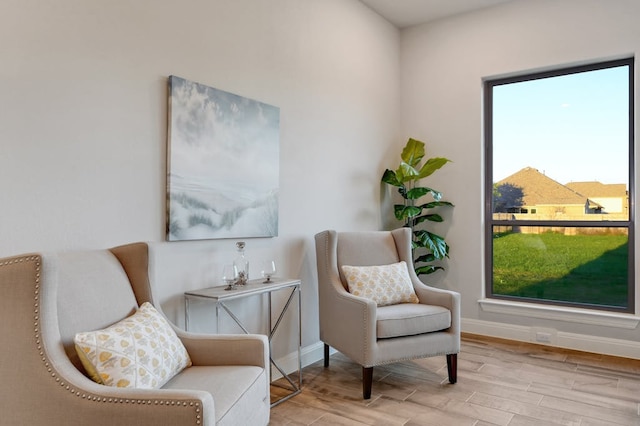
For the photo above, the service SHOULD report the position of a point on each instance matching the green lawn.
(588, 269)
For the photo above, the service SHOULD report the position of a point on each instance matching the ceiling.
(405, 13)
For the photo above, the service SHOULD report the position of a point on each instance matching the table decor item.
(229, 276)
(241, 264)
(268, 270)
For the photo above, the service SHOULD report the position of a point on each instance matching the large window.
(559, 186)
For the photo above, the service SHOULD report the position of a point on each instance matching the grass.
(587, 269)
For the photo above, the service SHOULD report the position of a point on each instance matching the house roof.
(597, 189)
(540, 189)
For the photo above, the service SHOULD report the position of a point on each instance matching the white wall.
(442, 68)
(83, 123)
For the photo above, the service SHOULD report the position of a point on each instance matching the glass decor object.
(242, 264)
(268, 270)
(229, 276)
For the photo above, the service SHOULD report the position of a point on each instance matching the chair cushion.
(238, 391)
(384, 284)
(141, 351)
(409, 319)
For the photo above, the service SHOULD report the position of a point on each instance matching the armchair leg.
(367, 381)
(326, 355)
(452, 367)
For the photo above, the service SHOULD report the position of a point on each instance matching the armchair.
(374, 335)
(46, 298)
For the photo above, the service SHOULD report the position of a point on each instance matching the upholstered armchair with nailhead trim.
(373, 333)
(45, 299)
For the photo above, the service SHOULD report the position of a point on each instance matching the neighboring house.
(545, 198)
(614, 198)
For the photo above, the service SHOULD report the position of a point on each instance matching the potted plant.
(427, 246)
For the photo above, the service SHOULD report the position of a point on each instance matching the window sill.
(560, 313)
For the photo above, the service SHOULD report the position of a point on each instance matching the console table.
(256, 288)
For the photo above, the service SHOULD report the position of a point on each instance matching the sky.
(572, 128)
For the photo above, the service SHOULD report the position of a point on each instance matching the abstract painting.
(222, 164)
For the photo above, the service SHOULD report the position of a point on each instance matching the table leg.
(296, 388)
(186, 313)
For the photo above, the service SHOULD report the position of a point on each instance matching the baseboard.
(552, 337)
(289, 363)
(579, 342)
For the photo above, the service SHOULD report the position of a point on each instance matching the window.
(559, 187)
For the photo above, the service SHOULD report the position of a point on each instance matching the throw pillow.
(141, 351)
(385, 284)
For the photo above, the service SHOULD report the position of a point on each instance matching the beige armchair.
(375, 335)
(46, 298)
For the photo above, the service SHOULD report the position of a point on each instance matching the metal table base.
(253, 288)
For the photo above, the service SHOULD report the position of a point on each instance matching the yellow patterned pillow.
(141, 351)
(385, 284)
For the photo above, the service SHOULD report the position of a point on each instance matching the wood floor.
(499, 383)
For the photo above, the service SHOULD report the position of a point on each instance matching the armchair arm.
(348, 323)
(69, 397)
(226, 349)
(435, 296)
(445, 298)
(427, 295)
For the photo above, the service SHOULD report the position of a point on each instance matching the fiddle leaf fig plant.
(427, 246)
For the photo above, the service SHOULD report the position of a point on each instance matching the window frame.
(490, 223)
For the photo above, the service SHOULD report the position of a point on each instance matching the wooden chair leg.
(326, 355)
(367, 381)
(452, 367)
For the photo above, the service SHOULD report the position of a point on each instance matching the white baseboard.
(289, 363)
(561, 339)
(579, 342)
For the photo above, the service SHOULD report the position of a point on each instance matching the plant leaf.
(429, 257)
(433, 242)
(389, 177)
(413, 152)
(426, 190)
(431, 166)
(416, 193)
(430, 217)
(403, 212)
(406, 172)
(433, 204)
(403, 191)
(428, 269)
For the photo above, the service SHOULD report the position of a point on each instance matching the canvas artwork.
(223, 164)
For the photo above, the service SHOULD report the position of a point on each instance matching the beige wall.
(443, 66)
(83, 123)
(83, 119)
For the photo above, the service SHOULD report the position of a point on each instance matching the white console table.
(255, 288)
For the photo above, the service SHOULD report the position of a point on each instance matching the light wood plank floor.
(500, 382)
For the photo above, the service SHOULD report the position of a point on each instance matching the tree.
(507, 196)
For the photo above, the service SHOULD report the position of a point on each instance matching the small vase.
(242, 264)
